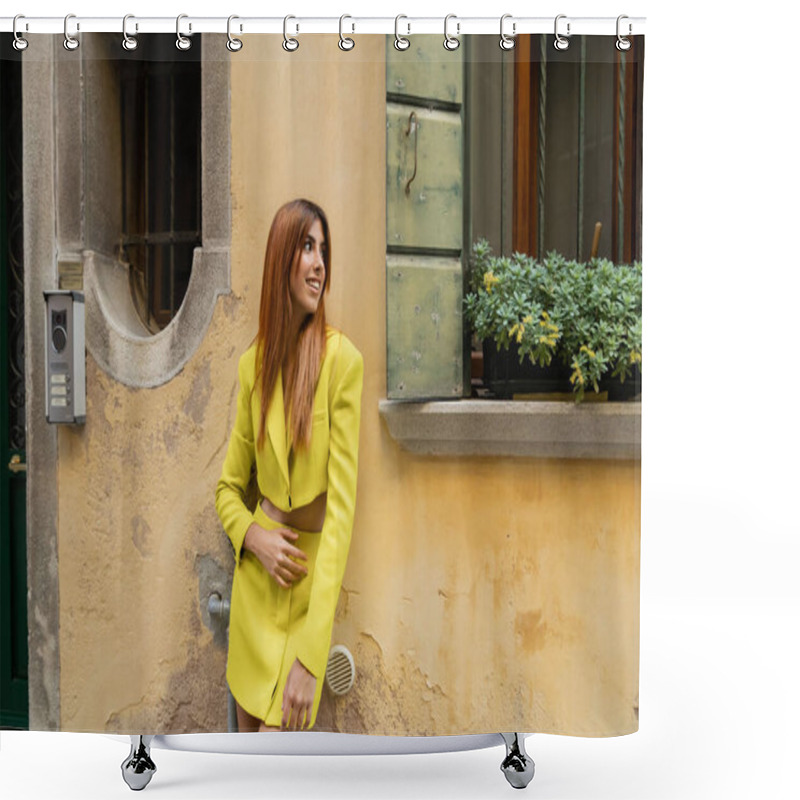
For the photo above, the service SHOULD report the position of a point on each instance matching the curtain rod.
(406, 26)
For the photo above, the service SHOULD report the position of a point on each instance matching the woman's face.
(308, 276)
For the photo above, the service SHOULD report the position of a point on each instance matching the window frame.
(541, 429)
(115, 335)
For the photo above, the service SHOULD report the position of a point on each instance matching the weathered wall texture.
(480, 594)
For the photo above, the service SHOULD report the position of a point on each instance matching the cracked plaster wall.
(480, 594)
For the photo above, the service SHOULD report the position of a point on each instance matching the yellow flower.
(527, 320)
(635, 357)
(512, 330)
(545, 323)
(585, 349)
(489, 280)
(577, 375)
(519, 333)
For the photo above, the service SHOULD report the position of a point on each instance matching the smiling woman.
(300, 387)
(308, 276)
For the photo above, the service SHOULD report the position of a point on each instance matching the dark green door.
(13, 566)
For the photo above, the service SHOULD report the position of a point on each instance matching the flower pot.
(618, 391)
(504, 376)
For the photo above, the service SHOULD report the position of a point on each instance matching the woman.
(297, 423)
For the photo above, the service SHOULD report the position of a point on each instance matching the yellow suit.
(271, 626)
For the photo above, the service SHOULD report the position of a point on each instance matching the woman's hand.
(274, 549)
(298, 698)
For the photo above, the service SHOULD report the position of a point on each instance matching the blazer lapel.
(276, 426)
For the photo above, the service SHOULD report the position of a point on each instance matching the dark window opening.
(577, 149)
(160, 110)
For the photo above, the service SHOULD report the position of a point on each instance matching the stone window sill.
(538, 429)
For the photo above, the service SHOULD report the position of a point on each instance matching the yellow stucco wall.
(480, 594)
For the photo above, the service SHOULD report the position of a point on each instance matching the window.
(528, 149)
(154, 210)
(577, 149)
(555, 147)
(554, 154)
(160, 108)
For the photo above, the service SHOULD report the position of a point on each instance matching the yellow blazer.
(329, 464)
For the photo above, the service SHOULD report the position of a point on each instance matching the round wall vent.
(341, 670)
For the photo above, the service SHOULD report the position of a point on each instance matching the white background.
(720, 609)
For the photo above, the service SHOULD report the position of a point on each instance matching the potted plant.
(556, 325)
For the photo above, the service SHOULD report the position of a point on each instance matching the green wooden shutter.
(424, 220)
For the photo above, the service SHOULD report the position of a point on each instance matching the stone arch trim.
(115, 336)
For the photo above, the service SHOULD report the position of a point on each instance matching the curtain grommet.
(451, 43)
(129, 43)
(70, 42)
(507, 42)
(400, 42)
(623, 43)
(290, 44)
(19, 43)
(561, 42)
(345, 42)
(234, 45)
(182, 42)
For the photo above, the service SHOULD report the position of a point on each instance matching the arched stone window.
(152, 239)
(160, 123)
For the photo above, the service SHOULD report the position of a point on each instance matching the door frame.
(13, 545)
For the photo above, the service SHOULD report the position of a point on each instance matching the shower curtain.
(474, 416)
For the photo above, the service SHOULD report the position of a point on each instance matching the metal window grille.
(160, 108)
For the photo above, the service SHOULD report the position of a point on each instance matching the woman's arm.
(233, 513)
(345, 418)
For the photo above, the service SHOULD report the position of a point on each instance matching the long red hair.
(284, 244)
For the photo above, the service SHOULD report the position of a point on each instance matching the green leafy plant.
(587, 315)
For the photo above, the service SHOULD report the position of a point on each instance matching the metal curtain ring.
(19, 43)
(345, 42)
(290, 44)
(400, 42)
(561, 42)
(451, 42)
(507, 42)
(70, 42)
(128, 42)
(234, 45)
(182, 42)
(622, 42)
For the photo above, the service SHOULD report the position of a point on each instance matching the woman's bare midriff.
(309, 517)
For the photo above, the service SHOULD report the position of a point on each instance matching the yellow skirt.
(265, 619)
